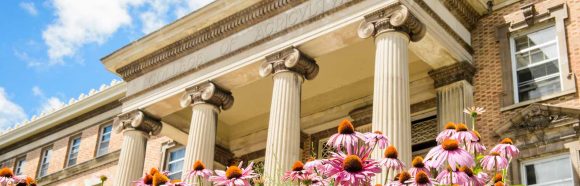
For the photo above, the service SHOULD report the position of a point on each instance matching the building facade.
(268, 81)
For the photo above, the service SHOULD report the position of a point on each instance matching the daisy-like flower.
(449, 152)
(497, 178)
(346, 136)
(474, 180)
(422, 179)
(448, 174)
(234, 176)
(474, 111)
(25, 181)
(447, 132)
(298, 173)
(153, 178)
(494, 162)
(391, 160)
(375, 138)
(401, 179)
(506, 148)
(463, 134)
(314, 180)
(314, 165)
(6, 176)
(417, 166)
(476, 146)
(354, 168)
(199, 170)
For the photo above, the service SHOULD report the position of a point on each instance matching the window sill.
(543, 98)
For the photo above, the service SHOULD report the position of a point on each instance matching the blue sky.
(50, 50)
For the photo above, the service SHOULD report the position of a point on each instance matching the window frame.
(523, 174)
(98, 152)
(19, 168)
(166, 161)
(43, 156)
(70, 150)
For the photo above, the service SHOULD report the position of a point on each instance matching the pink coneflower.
(506, 148)
(314, 180)
(314, 165)
(449, 176)
(422, 179)
(234, 176)
(6, 176)
(403, 178)
(449, 151)
(199, 170)
(375, 138)
(352, 168)
(346, 136)
(475, 180)
(494, 162)
(447, 132)
(463, 134)
(298, 173)
(476, 146)
(417, 166)
(391, 160)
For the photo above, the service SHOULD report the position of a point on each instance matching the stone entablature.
(464, 12)
(453, 73)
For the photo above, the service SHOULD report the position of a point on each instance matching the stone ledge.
(110, 158)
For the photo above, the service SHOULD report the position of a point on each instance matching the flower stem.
(387, 176)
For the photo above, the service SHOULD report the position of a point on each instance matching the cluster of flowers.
(8, 178)
(458, 159)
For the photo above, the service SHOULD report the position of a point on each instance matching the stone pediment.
(536, 117)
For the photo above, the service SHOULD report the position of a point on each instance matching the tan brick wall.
(488, 79)
(89, 138)
(154, 153)
(59, 155)
(32, 161)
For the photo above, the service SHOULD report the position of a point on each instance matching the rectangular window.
(19, 165)
(174, 162)
(536, 64)
(548, 171)
(105, 137)
(73, 151)
(44, 162)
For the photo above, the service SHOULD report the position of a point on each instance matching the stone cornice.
(453, 73)
(215, 32)
(530, 14)
(461, 9)
(207, 92)
(396, 17)
(137, 120)
(289, 59)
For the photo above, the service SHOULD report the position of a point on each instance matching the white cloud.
(36, 91)
(50, 104)
(30, 61)
(29, 7)
(190, 6)
(155, 16)
(11, 113)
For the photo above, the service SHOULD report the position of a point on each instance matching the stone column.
(454, 92)
(136, 128)
(205, 100)
(289, 67)
(393, 28)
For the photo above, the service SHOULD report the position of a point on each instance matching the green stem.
(473, 119)
(451, 177)
(387, 176)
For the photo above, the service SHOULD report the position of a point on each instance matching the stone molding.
(396, 17)
(461, 9)
(111, 158)
(289, 59)
(137, 120)
(453, 73)
(530, 14)
(207, 92)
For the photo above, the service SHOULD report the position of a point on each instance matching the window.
(174, 162)
(73, 150)
(548, 171)
(105, 137)
(44, 162)
(19, 165)
(536, 64)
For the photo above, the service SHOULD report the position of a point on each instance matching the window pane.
(174, 163)
(551, 172)
(521, 43)
(522, 59)
(537, 89)
(542, 36)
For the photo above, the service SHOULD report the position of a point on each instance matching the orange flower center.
(352, 163)
(466, 170)
(378, 132)
(6, 172)
(391, 152)
(404, 176)
(298, 166)
(461, 127)
(450, 125)
(233, 172)
(494, 153)
(450, 144)
(418, 162)
(159, 179)
(153, 171)
(345, 127)
(497, 177)
(476, 134)
(507, 141)
(421, 177)
(499, 183)
(198, 166)
(148, 179)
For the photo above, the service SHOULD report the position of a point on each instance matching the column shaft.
(283, 144)
(201, 138)
(132, 158)
(391, 108)
(451, 100)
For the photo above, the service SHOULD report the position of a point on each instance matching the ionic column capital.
(453, 73)
(396, 17)
(137, 120)
(209, 93)
(289, 59)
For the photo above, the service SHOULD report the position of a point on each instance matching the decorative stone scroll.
(289, 59)
(207, 92)
(392, 18)
(137, 120)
